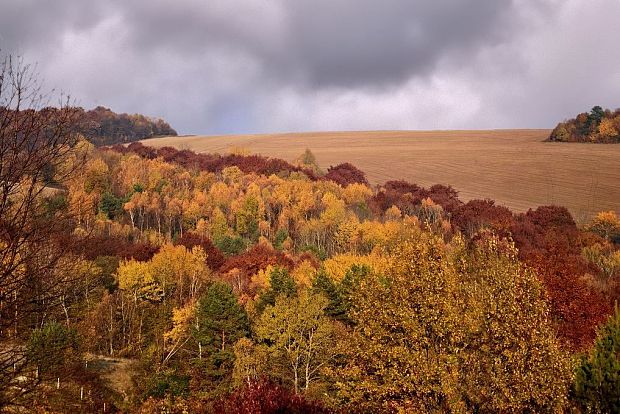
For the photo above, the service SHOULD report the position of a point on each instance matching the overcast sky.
(239, 66)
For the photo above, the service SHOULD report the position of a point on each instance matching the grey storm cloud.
(326, 43)
(224, 66)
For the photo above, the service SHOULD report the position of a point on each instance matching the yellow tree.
(250, 362)
(133, 275)
(299, 338)
(181, 271)
(451, 330)
(183, 319)
(606, 224)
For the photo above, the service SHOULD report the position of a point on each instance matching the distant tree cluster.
(343, 174)
(101, 126)
(598, 126)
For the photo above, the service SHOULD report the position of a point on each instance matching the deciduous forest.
(598, 126)
(146, 280)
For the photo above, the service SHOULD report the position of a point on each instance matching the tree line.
(99, 126)
(598, 126)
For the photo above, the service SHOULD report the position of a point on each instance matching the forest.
(598, 126)
(243, 284)
(101, 126)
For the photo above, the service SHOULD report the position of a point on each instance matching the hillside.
(517, 168)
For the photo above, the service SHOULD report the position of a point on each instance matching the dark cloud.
(365, 42)
(272, 65)
(29, 24)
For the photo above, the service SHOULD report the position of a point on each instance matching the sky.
(259, 66)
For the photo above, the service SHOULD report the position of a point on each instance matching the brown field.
(514, 167)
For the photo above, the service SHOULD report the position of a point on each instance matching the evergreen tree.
(221, 321)
(339, 294)
(281, 283)
(597, 380)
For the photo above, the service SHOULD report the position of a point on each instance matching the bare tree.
(37, 154)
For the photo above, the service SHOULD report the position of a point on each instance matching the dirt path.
(117, 372)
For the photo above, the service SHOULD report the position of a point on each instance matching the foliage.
(463, 332)
(346, 174)
(101, 126)
(215, 258)
(476, 215)
(280, 284)
(339, 293)
(52, 347)
(597, 382)
(606, 224)
(250, 362)
(110, 205)
(407, 197)
(265, 397)
(168, 383)
(549, 241)
(230, 245)
(218, 271)
(307, 160)
(299, 338)
(599, 126)
(220, 323)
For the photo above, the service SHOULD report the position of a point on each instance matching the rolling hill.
(517, 168)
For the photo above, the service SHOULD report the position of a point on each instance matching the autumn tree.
(247, 218)
(606, 224)
(215, 258)
(512, 361)
(476, 215)
(265, 397)
(250, 362)
(37, 145)
(345, 174)
(460, 332)
(599, 126)
(299, 338)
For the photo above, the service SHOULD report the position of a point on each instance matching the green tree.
(230, 245)
(221, 322)
(339, 293)
(52, 348)
(247, 218)
(250, 362)
(280, 283)
(110, 205)
(597, 379)
(299, 338)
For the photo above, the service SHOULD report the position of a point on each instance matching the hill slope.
(515, 167)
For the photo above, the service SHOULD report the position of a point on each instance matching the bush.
(268, 398)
